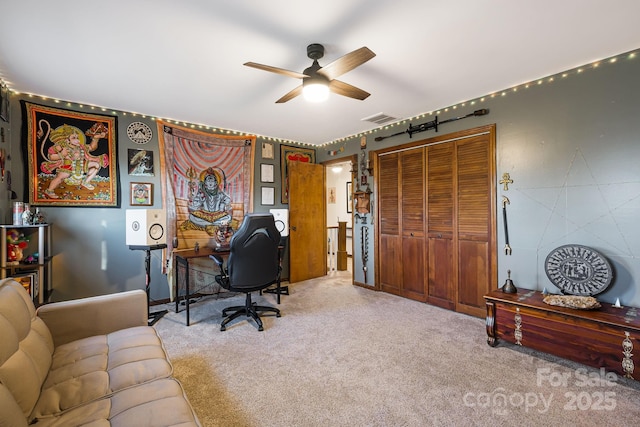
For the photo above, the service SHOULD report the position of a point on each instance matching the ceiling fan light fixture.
(315, 91)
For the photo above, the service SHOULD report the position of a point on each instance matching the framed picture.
(29, 282)
(268, 196)
(4, 102)
(140, 162)
(349, 197)
(332, 195)
(141, 194)
(55, 139)
(267, 150)
(266, 173)
(288, 154)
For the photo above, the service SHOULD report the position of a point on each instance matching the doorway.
(339, 190)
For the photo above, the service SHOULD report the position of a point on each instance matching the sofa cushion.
(91, 368)
(26, 346)
(158, 403)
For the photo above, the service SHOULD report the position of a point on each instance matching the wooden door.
(402, 260)
(412, 207)
(475, 218)
(440, 231)
(389, 265)
(436, 216)
(307, 222)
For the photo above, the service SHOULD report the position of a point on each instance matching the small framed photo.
(349, 197)
(267, 150)
(266, 172)
(140, 162)
(268, 196)
(141, 194)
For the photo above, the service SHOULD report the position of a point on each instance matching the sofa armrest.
(100, 315)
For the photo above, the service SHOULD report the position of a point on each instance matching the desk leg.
(186, 287)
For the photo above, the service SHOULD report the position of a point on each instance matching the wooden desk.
(182, 261)
(607, 337)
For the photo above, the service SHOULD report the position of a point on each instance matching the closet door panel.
(412, 193)
(390, 239)
(440, 223)
(414, 273)
(472, 280)
(440, 291)
(390, 264)
(388, 195)
(473, 222)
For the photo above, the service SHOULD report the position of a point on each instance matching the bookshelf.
(34, 269)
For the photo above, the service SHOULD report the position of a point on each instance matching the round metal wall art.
(578, 270)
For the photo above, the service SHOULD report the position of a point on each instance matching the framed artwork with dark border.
(141, 194)
(140, 162)
(4, 102)
(349, 197)
(72, 157)
(288, 154)
(266, 172)
(268, 196)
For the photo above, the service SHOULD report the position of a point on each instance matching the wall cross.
(505, 181)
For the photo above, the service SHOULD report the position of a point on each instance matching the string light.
(526, 85)
(503, 93)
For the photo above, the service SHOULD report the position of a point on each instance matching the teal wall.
(572, 147)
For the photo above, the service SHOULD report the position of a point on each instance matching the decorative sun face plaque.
(578, 270)
(139, 132)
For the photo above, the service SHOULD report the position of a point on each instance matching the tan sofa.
(92, 361)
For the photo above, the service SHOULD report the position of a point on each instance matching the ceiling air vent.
(380, 119)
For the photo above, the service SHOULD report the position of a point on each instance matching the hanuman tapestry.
(71, 157)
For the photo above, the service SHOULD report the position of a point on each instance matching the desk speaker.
(281, 217)
(146, 227)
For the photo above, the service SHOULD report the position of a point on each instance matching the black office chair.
(253, 264)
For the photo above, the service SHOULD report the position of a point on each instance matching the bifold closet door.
(474, 176)
(440, 223)
(403, 251)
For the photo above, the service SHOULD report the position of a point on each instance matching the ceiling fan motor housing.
(315, 51)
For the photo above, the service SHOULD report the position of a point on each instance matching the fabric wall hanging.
(71, 156)
(207, 182)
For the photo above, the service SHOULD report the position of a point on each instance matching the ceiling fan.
(317, 81)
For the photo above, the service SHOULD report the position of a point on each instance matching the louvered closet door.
(412, 208)
(390, 241)
(474, 222)
(440, 237)
(436, 207)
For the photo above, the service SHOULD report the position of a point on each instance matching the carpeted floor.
(342, 355)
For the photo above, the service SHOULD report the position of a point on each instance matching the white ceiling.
(183, 60)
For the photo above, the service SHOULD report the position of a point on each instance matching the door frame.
(353, 159)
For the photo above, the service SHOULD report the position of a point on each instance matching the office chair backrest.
(253, 259)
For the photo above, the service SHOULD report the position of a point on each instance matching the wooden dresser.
(607, 337)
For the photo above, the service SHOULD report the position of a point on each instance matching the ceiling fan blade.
(276, 70)
(345, 89)
(346, 63)
(290, 95)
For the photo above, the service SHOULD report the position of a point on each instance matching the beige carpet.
(341, 355)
